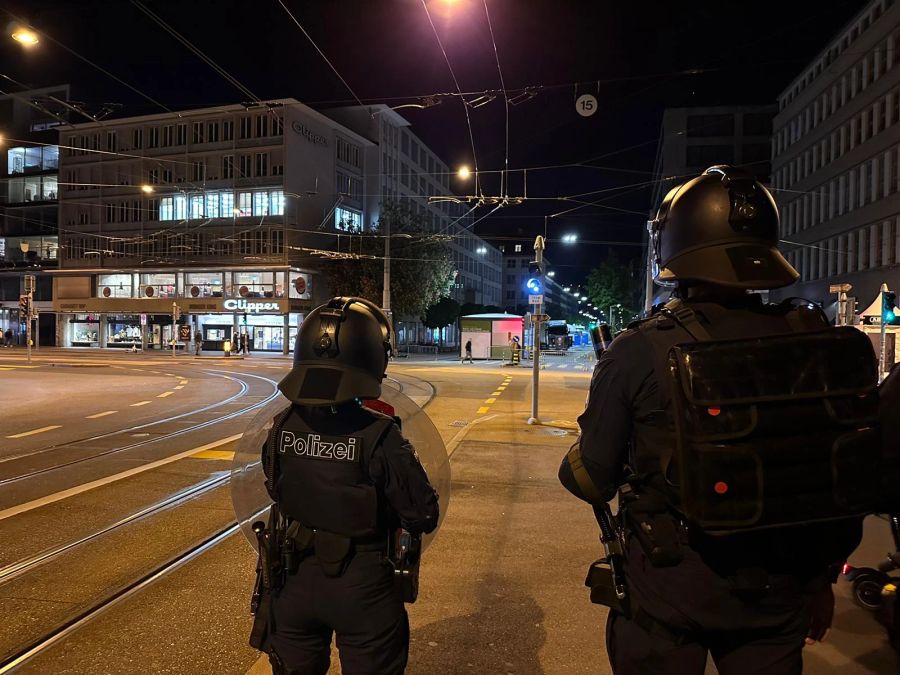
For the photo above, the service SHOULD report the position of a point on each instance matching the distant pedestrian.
(9, 337)
(236, 346)
(245, 343)
(468, 356)
(198, 342)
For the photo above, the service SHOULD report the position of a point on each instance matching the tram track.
(155, 439)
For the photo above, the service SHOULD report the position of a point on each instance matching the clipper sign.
(250, 306)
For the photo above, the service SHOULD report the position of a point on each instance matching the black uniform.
(347, 473)
(744, 597)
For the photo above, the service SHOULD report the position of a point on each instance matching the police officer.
(751, 598)
(343, 479)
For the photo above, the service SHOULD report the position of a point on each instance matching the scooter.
(872, 587)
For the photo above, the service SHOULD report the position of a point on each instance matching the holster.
(405, 554)
(604, 590)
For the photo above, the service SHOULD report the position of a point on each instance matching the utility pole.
(174, 326)
(536, 329)
(29, 304)
(888, 302)
(386, 290)
(840, 318)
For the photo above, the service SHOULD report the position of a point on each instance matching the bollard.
(226, 347)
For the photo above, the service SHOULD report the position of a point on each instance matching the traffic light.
(23, 305)
(888, 307)
(534, 286)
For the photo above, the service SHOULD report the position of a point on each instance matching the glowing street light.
(464, 172)
(481, 250)
(569, 238)
(25, 37)
(567, 289)
(551, 273)
(147, 189)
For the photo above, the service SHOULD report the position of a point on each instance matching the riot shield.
(248, 490)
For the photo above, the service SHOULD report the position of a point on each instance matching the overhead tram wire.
(90, 63)
(196, 51)
(321, 53)
(504, 180)
(459, 90)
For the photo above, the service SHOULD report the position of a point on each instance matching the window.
(212, 205)
(346, 219)
(710, 125)
(228, 166)
(111, 141)
(260, 204)
(276, 202)
(348, 152)
(203, 284)
(228, 130)
(245, 127)
(114, 286)
(245, 166)
(262, 126)
(197, 132)
(157, 286)
(153, 140)
(262, 163)
(227, 204)
(518, 248)
(245, 205)
(181, 134)
(198, 171)
(196, 206)
(168, 136)
(212, 132)
(137, 138)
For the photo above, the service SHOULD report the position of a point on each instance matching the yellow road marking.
(214, 454)
(164, 394)
(502, 387)
(103, 414)
(135, 405)
(35, 431)
(491, 400)
(183, 382)
(2, 368)
(496, 393)
(180, 386)
(483, 409)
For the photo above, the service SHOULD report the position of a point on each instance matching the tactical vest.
(766, 431)
(322, 480)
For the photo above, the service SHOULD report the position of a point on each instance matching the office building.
(836, 160)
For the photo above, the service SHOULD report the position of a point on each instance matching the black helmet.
(341, 353)
(721, 228)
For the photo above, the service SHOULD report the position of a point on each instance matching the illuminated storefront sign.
(251, 306)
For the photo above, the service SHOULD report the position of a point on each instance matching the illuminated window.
(227, 204)
(212, 204)
(244, 207)
(260, 203)
(196, 206)
(345, 219)
(276, 202)
(166, 210)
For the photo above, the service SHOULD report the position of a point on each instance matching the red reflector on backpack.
(714, 412)
(721, 487)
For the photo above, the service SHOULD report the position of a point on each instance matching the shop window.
(245, 206)
(347, 220)
(84, 331)
(114, 286)
(257, 285)
(227, 204)
(212, 204)
(203, 284)
(157, 286)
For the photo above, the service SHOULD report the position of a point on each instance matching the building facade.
(29, 190)
(836, 160)
(218, 214)
(693, 139)
(409, 174)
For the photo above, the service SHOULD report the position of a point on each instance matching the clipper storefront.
(109, 317)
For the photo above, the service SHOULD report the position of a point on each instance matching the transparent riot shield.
(248, 490)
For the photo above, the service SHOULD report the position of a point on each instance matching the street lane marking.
(71, 492)
(35, 431)
(164, 394)
(214, 454)
(496, 393)
(563, 365)
(103, 414)
(180, 386)
(483, 409)
(491, 400)
(183, 382)
(135, 405)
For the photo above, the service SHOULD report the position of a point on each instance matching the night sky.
(387, 52)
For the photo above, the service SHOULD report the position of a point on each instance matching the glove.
(821, 611)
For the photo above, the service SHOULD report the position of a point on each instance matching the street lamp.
(464, 173)
(25, 37)
(481, 250)
(567, 289)
(147, 189)
(551, 273)
(569, 238)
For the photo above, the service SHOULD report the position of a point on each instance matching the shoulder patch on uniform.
(317, 446)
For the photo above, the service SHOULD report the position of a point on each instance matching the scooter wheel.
(867, 593)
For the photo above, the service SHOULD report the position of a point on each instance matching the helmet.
(341, 353)
(721, 228)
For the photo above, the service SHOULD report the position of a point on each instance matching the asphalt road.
(502, 585)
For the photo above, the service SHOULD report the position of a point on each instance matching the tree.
(421, 263)
(610, 283)
(442, 313)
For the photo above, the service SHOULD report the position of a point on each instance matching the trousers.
(362, 608)
(689, 612)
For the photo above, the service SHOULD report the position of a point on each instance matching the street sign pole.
(174, 320)
(882, 357)
(29, 292)
(536, 336)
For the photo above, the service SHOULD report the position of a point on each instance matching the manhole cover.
(458, 423)
(557, 432)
